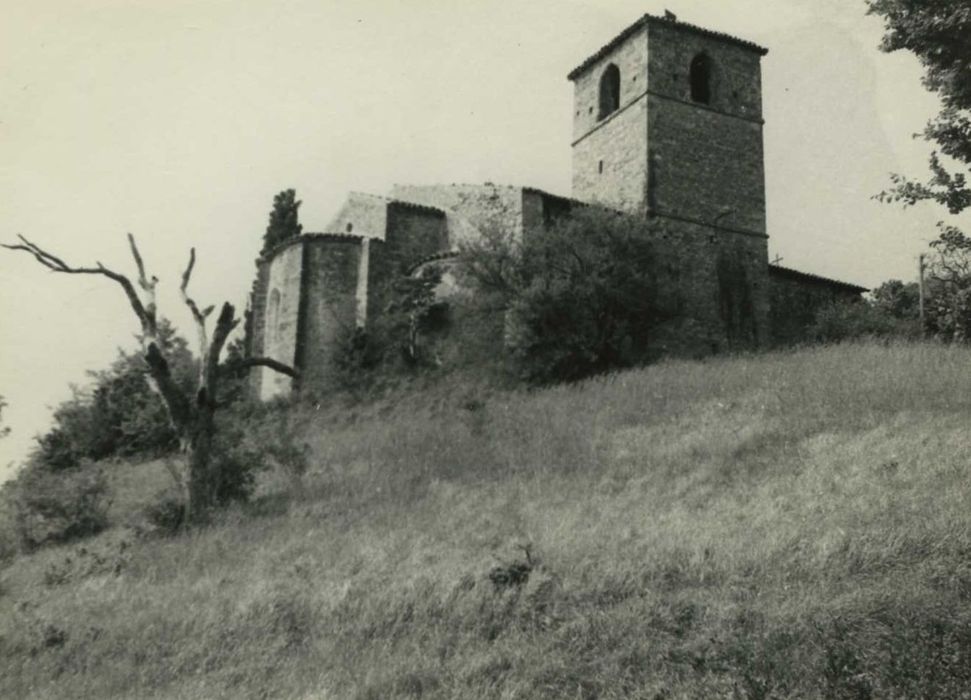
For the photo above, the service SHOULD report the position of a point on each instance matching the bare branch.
(225, 324)
(198, 317)
(209, 366)
(52, 262)
(143, 281)
(188, 270)
(264, 362)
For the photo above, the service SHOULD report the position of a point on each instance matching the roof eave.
(779, 269)
(652, 19)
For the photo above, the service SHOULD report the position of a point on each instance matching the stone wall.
(469, 209)
(691, 171)
(279, 336)
(695, 168)
(361, 215)
(257, 322)
(610, 154)
(712, 289)
(736, 85)
(415, 232)
(796, 298)
(543, 209)
(705, 161)
(330, 301)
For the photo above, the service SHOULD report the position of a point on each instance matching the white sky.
(179, 121)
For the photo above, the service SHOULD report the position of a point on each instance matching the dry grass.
(789, 525)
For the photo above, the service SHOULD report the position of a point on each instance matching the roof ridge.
(648, 18)
(310, 235)
(773, 266)
(441, 255)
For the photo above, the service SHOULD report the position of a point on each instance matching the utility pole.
(920, 286)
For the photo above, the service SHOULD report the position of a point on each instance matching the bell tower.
(668, 121)
(667, 124)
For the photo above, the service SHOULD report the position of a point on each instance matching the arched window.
(701, 79)
(609, 91)
(273, 314)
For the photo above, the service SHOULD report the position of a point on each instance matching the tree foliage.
(949, 286)
(938, 32)
(900, 300)
(894, 306)
(579, 295)
(118, 414)
(284, 220)
(851, 320)
(4, 429)
(58, 506)
(192, 414)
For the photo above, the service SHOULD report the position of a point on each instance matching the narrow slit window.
(701, 79)
(609, 91)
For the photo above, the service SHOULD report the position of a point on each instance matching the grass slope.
(788, 525)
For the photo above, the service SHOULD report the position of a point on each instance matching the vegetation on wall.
(397, 341)
(579, 296)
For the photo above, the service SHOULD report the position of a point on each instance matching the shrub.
(949, 285)
(858, 319)
(58, 506)
(119, 415)
(166, 514)
(8, 535)
(239, 452)
(579, 295)
(398, 341)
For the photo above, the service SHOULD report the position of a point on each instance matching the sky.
(178, 121)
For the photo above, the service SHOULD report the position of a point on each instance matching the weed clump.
(58, 506)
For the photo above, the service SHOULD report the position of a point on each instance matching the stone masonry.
(667, 126)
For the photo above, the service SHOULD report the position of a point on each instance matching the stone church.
(667, 125)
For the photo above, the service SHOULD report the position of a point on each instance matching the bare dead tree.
(192, 417)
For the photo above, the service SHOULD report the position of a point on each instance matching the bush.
(119, 415)
(949, 286)
(239, 452)
(58, 506)
(579, 295)
(166, 514)
(8, 531)
(859, 319)
(398, 341)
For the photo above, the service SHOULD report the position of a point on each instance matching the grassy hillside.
(789, 525)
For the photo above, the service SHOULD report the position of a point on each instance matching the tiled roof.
(401, 203)
(653, 19)
(807, 276)
(443, 255)
(550, 195)
(341, 237)
(332, 237)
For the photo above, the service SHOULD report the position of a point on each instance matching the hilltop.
(795, 524)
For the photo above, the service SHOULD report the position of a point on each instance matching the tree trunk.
(203, 482)
(194, 422)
